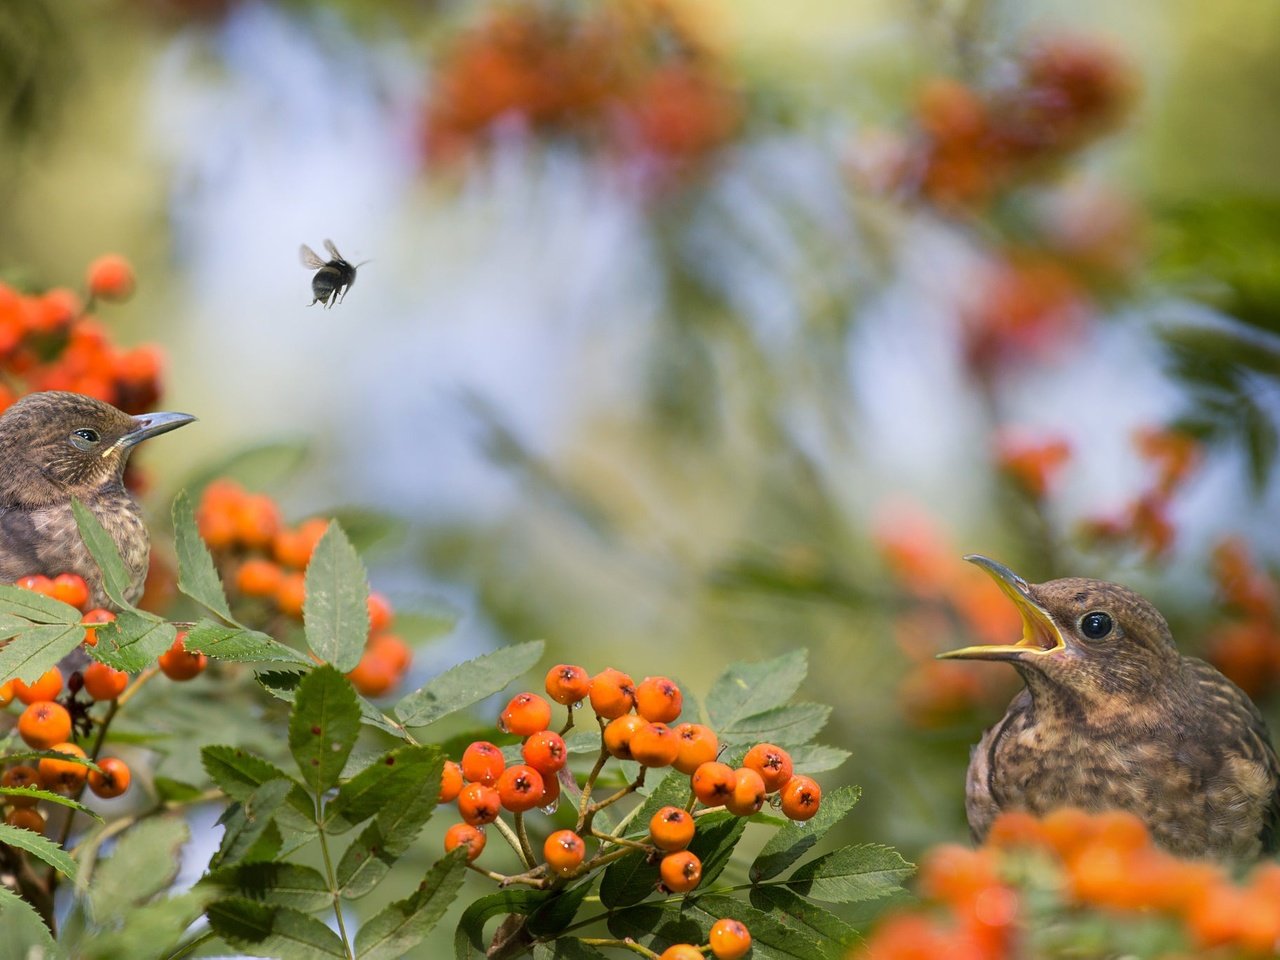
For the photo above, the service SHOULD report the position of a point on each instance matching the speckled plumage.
(1127, 722)
(43, 465)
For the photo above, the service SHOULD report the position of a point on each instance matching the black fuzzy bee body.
(333, 277)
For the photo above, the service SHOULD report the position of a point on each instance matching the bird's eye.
(84, 439)
(1095, 625)
(88, 435)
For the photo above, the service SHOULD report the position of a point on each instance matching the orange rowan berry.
(680, 871)
(658, 699)
(696, 745)
(291, 594)
(380, 614)
(104, 683)
(520, 788)
(612, 693)
(748, 793)
(25, 818)
(113, 779)
(1216, 919)
(22, 775)
(46, 688)
(564, 852)
(36, 583)
(217, 528)
(567, 684)
(257, 520)
(62, 776)
(95, 617)
(482, 762)
(465, 835)
(772, 763)
(956, 875)
(1065, 830)
(372, 676)
(671, 829)
(312, 531)
(258, 577)
(43, 724)
(393, 651)
(681, 951)
(654, 745)
(110, 277)
(479, 804)
(1121, 830)
(1014, 828)
(6, 693)
(71, 589)
(450, 782)
(526, 714)
(176, 664)
(550, 793)
(291, 549)
(730, 939)
(546, 752)
(618, 734)
(713, 783)
(801, 798)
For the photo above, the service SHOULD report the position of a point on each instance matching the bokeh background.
(703, 331)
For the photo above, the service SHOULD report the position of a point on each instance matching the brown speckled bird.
(55, 446)
(1114, 717)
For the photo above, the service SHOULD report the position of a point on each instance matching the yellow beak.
(1040, 635)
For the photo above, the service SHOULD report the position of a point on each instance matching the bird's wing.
(1232, 703)
(19, 544)
(981, 800)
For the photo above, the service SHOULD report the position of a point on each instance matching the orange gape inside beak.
(1040, 635)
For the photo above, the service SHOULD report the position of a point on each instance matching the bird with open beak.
(1114, 717)
(56, 446)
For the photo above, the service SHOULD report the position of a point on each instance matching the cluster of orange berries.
(1247, 647)
(634, 720)
(49, 341)
(1144, 522)
(1067, 91)
(1104, 861)
(53, 713)
(264, 560)
(953, 604)
(631, 76)
(1033, 463)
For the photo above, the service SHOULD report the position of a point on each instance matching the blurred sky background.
(666, 414)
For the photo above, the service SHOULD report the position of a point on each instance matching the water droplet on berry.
(502, 725)
(551, 807)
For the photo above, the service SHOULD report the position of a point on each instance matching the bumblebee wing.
(310, 259)
(333, 251)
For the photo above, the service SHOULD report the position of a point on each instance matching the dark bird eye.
(1095, 625)
(87, 434)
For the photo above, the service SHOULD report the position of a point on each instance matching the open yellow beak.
(1040, 635)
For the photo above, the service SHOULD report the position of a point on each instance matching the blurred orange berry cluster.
(1071, 866)
(50, 341)
(1247, 646)
(1065, 91)
(1033, 463)
(630, 76)
(951, 604)
(263, 560)
(1144, 523)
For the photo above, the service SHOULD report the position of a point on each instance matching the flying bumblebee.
(333, 278)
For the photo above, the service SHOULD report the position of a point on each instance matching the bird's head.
(1095, 639)
(54, 445)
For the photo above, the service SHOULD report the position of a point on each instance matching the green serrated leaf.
(834, 936)
(35, 607)
(787, 726)
(40, 847)
(132, 641)
(31, 653)
(144, 862)
(116, 579)
(197, 576)
(267, 930)
(745, 689)
(25, 934)
(672, 790)
(323, 727)
(796, 839)
(169, 790)
(858, 872)
(468, 939)
(240, 645)
(152, 930)
(566, 948)
(274, 882)
(818, 758)
(467, 683)
(247, 824)
(718, 834)
(394, 779)
(284, 686)
(335, 612)
(559, 911)
(48, 797)
(771, 939)
(628, 880)
(239, 773)
(403, 925)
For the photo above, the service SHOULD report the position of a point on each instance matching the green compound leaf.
(795, 839)
(403, 925)
(467, 683)
(335, 612)
(267, 930)
(132, 641)
(274, 882)
(468, 938)
(323, 727)
(35, 607)
(116, 578)
(39, 846)
(144, 862)
(747, 689)
(240, 645)
(396, 779)
(37, 648)
(859, 872)
(197, 576)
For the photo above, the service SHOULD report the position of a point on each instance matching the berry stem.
(585, 800)
(533, 878)
(621, 841)
(568, 724)
(133, 688)
(626, 944)
(330, 877)
(513, 841)
(629, 789)
(526, 851)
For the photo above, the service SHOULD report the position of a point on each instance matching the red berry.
(479, 804)
(520, 788)
(654, 745)
(697, 745)
(658, 700)
(71, 589)
(730, 939)
(113, 780)
(801, 797)
(104, 683)
(482, 762)
(567, 683)
(671, 829)
(110, 278)
(771, 762)
(526, 714)
(564, 852)
(680, 871)
(62, 776)
(748, 793)
(26, 818)
(380, 613)
(43, 724)
(546, 752)
(465, 835)
(713, 783)
(681, 951)
(450, 782)
(48, 686)
(612, 693)
(20, 776)
(177, 664)
(618, 734)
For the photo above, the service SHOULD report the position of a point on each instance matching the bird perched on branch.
(56, 446)
(1114, 717)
